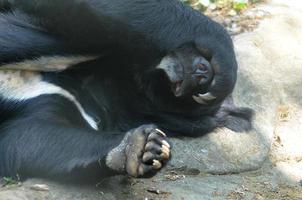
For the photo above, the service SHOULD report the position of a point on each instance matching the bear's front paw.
(142, 152)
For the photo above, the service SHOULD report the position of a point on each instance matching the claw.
(203, 98)
(164, 155)
(164, 142)
(207, 96)
(198, 100)
(165, 148)
(161, 132)
(156, 164)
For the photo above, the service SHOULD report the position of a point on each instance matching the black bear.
(105, 82)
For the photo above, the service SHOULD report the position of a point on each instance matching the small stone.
(235, 29)
(174, 177)
(39, 187)
(227, 21)
(212, 6)
(234, 26)
(232, 13)
(236, 18)
(260, 14)
(249, 14)
(153, 190)
(205, 3)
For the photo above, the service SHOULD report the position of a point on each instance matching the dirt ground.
(265, 163)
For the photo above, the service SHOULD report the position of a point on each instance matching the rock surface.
(270, 82)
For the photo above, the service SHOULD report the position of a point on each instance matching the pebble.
(212, 6)
(39, 187)
(232, 13)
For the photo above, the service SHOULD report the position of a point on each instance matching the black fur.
(47, 136)
(22, 40)
(147, 29)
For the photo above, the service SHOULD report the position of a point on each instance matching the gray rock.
(269, 80)
(221, 152)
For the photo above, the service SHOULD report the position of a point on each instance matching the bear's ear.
(238, 119)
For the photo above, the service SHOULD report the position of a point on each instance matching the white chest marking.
(23, 85)
(48, 63)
